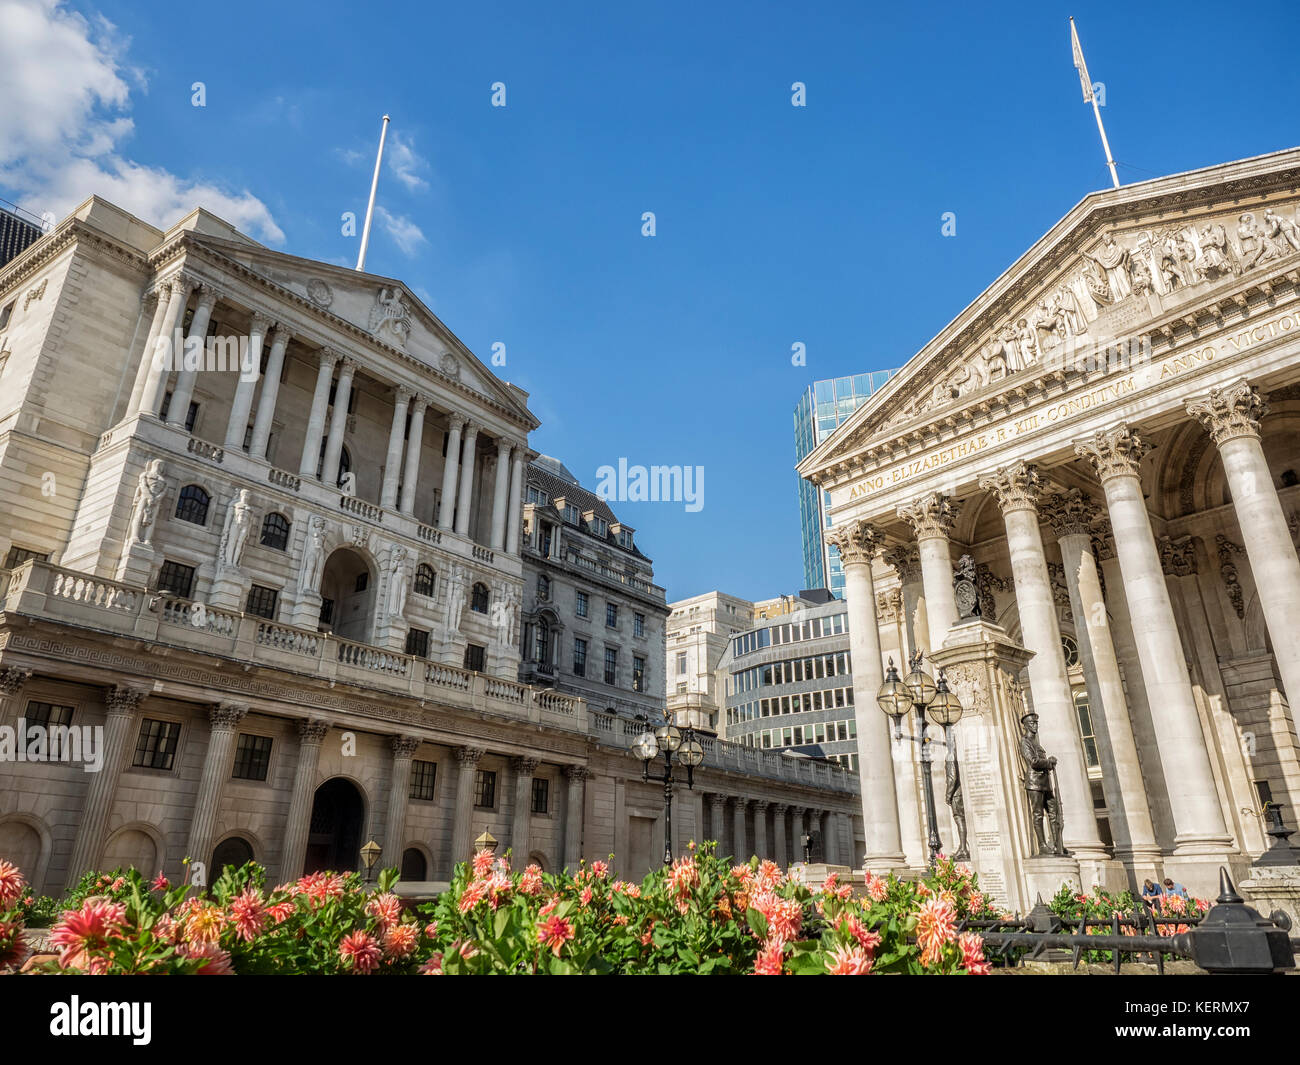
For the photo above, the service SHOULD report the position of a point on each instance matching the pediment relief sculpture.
(390, 318)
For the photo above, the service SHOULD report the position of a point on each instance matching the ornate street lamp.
(369, 856)
(921, 693)
(670, 741)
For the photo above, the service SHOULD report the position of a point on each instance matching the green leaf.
(757, 922)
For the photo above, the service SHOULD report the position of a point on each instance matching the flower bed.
(698, 916)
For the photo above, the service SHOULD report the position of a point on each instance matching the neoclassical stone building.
(1111, 432)
(260, 523)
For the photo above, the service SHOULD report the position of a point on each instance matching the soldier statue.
(953, 797)
(1040, 784)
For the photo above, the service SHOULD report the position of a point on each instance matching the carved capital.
(469, 755)
(208, 296)
(404, 746)
(906, 561)
(524, 766)
(183, 284)
(760, 806)
(347, 365)
(1071, 513)
(1177, 557)
(311, 731)
(282, 335)
(1016, 487)
(404, 394)
(1230, 412)
(12, 680)
(456, 423)
(121, 701)
(259, 323)
(780, 808)
(858, 542)
(328, 357)
(470, 429)
(226, 716)
(717, 801)
(932, 516)
(1114, 452)
(577, 773)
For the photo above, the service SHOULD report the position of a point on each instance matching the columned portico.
(242, 404)
(178, 411)
(270, 393)
(931, 518)
(224, 722)
(316, 419)
(311, 734)
(338, 423)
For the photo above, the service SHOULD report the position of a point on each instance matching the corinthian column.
(157, 295)
(576, 774)
(393, 461)
(179, 409)
(338, 424)
(858, 544)
(738, 828)
(1017, 488)
(242, 405)
(399, 793)
(224, 719)
(780, 848)
(270, 393)
(414, 443)
(500, 496)
(316, 419)
(120, 705)
(462, 842)
(760, 828)
(1231, 416)
(932, 518)
(160, 357)
(1194, 800)
(521, 826)
(516, 501)
(466, 489)
(1073, 518)
(450, 469)
(298, 824)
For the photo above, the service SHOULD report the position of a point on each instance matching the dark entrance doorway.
(232, 851)
(334, 841)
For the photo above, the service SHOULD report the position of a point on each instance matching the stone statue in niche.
(398, 582)
(456, 582)
(390, 318)
(234, 535)
(149, 491)
(313, 555)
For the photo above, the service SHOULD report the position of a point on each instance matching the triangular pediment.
(381, 307)
(1122, 264)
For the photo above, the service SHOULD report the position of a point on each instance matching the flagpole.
(1091, 97)
(1104, 142)
(374, 187)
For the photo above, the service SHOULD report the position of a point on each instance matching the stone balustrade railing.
(361, 508)
(284, 479)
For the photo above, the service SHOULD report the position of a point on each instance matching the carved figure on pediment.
(1140, 276)
(1027, 339)
(313, 555)
(149, 491)
(390, 317)
(1094, 277)
(1049, 327)
(1281, 233)
(1066, 304)
(1114, 259)
(1216, 253)
(1006, 350)
(234, 535)
(1255, 249)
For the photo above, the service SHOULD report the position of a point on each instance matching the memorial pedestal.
(1045, 875)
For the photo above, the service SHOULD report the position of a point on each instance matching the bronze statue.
(1040, 785)
(953, 797)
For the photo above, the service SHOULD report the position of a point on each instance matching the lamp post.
(689, 752)
(920, 692)
(369, 856)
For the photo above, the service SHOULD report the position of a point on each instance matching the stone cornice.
(49, 247)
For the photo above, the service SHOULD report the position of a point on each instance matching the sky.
(774, 225)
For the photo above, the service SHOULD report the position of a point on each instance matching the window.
(541, 795)
(362, 583)
(190, 415)
(424, 776)
(579, 657)
(6, 312)
(625, 538)
(261, 602)
(681, 663)
(611, 665)
(1070, 650)
(18, 555)
(176, 579)
(638, 624)
(544, 538)
(425, 579)
(638, 674)
(475, 655)
(326, 610)
(417, 643)
(156, 746)
(252, 757)
(581, 608)
(536, 496)
(479, 602)
(1086, 732)
(47, 716)
(192, 505)
(542, 644)
(543, 587)
(599, 526)
(611, 615)
(571, 514)
(681, 689)
(275, 532)
(485, 789)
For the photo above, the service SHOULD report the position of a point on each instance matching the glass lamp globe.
(946, 709)
(920, 685)
(691, 753)
(645, 746)
(669, 738)
(893, 696)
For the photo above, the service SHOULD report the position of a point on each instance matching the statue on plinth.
(1041, 788)
(149, 491)
(953, 797)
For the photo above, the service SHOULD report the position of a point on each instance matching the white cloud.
(66, 84)
(408, 237)
(405, 162)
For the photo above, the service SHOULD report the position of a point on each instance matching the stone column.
(414, 444)
(161, 357)
(270, 393)
(516, 501)
(462, 831)
(931, 518)
(316, 419)
(224, 720)
(739, 845)
(906, 561)
(780, 847)
(179, 409)
(393, 460)
(858, 544)
(830, 851)
(844, 826)
(501, 497)
(1017, 488)
(242, 405)
(521, 827)
(466, 486)
(1073, 518)
(575, 774)
(12, 680)
(399, 795)
(760, 828)
(1198, 817)
(120, 705)
(450, 470)
(338, 423)
(717, 815)
(1231, 416)
(798, 829)
(297, 828)
(158, 295)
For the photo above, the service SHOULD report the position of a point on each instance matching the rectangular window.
(681, 663)
(541, 795)
(47, 716)
(681, 689)
(611, 665)
(261, 602)
(326, 610)
(252, 757)
(175, 579)
(571, 514)
(579, 657)
(18, 555)
(581, 608)
(638, 674)
(7, 310)
(424, 776)
(787, 737)
(536, 496)
(611, 615)
(417, 643)
(475, 657)
(841, 730)
(819, 733)
(155, 748)
(638, 624)
(485, 789)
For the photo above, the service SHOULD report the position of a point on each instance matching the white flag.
(1080, 65)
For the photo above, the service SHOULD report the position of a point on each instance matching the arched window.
(233, 851)
(542, 644)
(192, 505)
(414, 866)
(424, 579)
(1071, 651)
(479, 602)
(275, 531)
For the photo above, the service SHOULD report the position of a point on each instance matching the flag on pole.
(1079, 64)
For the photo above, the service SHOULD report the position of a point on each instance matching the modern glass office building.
(819, 412)
(18, 231)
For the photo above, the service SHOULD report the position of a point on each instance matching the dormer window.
(536, 496)
(624, 534)
(597, 525)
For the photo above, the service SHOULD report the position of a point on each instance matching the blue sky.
(522, 225)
